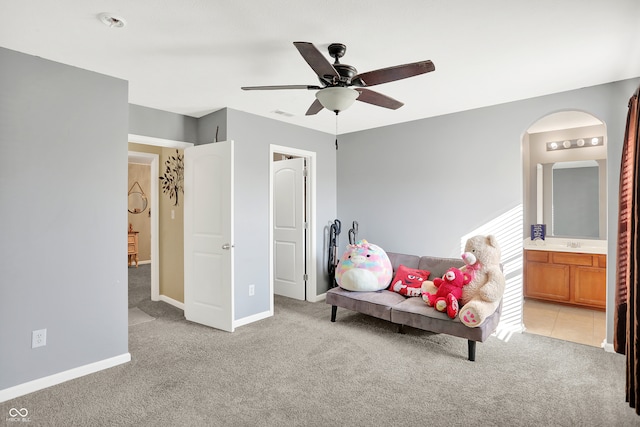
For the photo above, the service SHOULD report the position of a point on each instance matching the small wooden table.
(133, 247)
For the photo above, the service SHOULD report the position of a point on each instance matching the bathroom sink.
(567, 245)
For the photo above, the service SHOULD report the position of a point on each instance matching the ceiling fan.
(336, 93)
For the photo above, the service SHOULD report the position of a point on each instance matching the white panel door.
(208, 234)
(288, 228)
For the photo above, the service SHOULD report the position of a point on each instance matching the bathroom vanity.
(565, 271)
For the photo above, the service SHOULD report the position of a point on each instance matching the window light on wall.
(575, 143)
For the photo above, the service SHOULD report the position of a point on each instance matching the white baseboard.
(318, 298)
(172, 302)
(607, 346)
(51, 380)
(251, 319)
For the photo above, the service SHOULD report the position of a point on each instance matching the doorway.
(564, 276)
(289, 226)
(152, 160)
(304, 251)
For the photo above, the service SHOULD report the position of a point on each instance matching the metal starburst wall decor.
(173, 178)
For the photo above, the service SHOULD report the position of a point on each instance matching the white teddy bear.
(481, 297)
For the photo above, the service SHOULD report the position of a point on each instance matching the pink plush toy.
(449, 291)
(364, 267)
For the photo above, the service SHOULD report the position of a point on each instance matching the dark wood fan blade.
(390, 74)
(317, 61)
(314, 108)
(280, 87)
(375, 98)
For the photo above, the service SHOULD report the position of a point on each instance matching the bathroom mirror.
(572, 197)
(137, 203)
(137, 199)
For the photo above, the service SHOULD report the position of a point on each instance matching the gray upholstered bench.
(413, 311)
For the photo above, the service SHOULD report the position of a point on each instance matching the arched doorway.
(565, 273)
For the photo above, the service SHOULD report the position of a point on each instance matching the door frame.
(155, 229)
(293, 283)
(310, 206)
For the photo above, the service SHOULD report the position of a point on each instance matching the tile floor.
(567, 323)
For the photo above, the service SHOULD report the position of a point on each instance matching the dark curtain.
(626, 316)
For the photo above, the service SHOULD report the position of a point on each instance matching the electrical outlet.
(39, 338)
(252, 290)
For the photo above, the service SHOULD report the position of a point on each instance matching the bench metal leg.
(472, 351)
(334, 310)
(401, 329)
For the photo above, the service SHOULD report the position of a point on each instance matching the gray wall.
(252, 136)
(419, 187)
(162, 124)
(63, 170)
(209, 124)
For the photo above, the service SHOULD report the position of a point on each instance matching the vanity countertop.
(567, 245)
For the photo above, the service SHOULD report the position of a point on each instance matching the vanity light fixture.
(574, 143)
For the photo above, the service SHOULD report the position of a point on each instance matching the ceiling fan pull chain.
(336, 131)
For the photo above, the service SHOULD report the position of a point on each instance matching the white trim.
(252, 318)
(55, 379)
(607, 346)
(159, 142)
(232, 234)
(318, 298)
(171, 301)
(271, 149)
(311, 208)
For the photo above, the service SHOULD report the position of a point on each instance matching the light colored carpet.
(137, 316)
(299, 369)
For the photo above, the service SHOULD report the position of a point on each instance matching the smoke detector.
(111, 20)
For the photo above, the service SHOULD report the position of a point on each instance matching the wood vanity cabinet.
(566, 277)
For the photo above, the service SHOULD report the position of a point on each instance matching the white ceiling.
(192, 56)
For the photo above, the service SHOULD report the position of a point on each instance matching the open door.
(208, 235)
(289, 228)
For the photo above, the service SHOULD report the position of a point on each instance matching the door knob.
(227, 246)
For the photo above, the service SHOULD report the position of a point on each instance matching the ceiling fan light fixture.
(337, 99)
